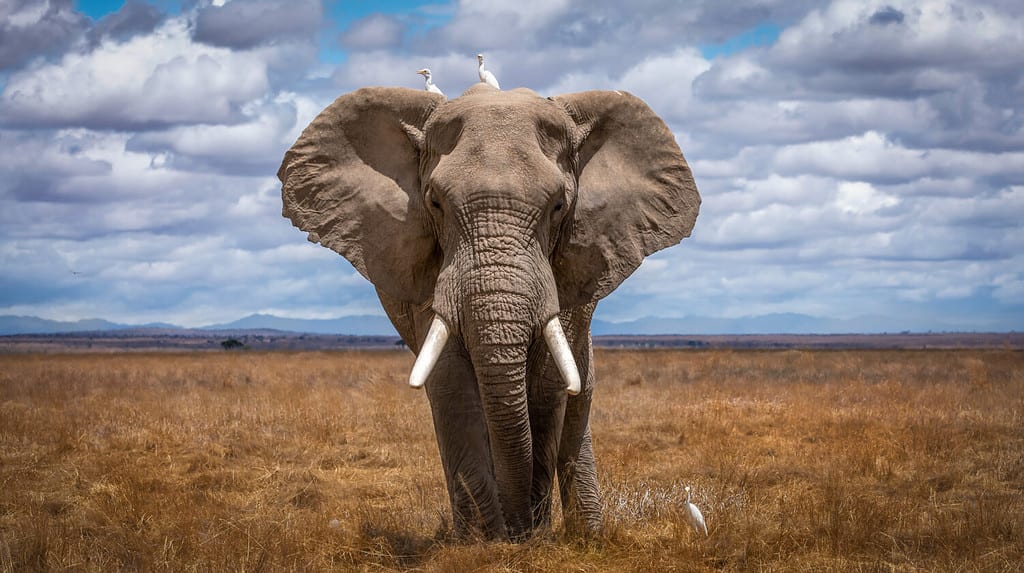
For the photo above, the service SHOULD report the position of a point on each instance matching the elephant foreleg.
(547, 399)
(577, 483)
(465, 451)
(577, 474)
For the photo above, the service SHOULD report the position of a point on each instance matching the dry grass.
(810, 461)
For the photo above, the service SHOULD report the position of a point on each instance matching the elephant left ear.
(636, 194)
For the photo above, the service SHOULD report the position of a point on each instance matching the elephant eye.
(558, 206)
(433, 199)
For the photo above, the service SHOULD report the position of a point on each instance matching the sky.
(856, 158)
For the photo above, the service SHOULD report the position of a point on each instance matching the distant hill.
(375, 325)
(34, 325)
(780, 323)
(360, 325)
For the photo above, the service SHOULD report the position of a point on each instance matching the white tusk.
(560, 351)
(429, 353)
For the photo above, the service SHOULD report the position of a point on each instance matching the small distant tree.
(231, 344)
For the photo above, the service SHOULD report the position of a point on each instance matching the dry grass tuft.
(800, 460)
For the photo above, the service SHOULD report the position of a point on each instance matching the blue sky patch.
(419, 15)
(97, 9)
(763, 35)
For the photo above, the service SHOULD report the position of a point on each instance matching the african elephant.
(490, 226)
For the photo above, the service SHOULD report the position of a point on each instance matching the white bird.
(693, 515)
(429, 82)
(485, 75)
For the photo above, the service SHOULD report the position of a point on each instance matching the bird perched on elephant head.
(428, 81)
(486, 76)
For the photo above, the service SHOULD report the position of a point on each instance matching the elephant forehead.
(502, 168)
(499, 140)
(494, 119)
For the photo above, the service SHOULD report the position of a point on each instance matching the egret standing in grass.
(485, 75)
(429, 82)
(693, 515)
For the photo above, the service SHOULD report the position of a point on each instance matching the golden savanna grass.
(316, 461)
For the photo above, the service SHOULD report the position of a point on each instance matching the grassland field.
(823, 460)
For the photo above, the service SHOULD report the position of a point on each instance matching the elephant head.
(487, 224)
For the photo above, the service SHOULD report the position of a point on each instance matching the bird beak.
(422, 72)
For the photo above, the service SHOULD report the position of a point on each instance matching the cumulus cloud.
(134, 18)
(156, 79)
(485, 25)
(848, 36)
(37, 167)
(372, 32)
(31, 29)
(886, 16)
(245, 24)
(957, 65)
(253, 145)
(872, 156)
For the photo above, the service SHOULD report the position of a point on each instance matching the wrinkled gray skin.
(496, 211)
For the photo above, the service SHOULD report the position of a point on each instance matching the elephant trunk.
(501, 327)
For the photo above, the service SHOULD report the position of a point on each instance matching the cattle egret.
(429, 82)
(693, 515)
(485, 75)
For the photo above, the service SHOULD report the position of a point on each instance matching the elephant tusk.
(429, 353)
(560, 351)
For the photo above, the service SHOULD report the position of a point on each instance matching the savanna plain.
(824, 460)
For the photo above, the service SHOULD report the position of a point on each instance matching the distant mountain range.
(35, 325)
(375, 325)
(363, 325)
(779, 323)
(360, 325)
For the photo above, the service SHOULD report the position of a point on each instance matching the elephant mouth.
(554, 336)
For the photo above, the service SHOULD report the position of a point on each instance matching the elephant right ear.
(636, 194)
(352, 182)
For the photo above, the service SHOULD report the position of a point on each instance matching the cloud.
(138, 277)
(37, 28)
(931, 34)
(873, 157)
(1009, 288)
(886, 16)
(859, 198)
(149, 80)
(133, 19)
(373, 32)
(953, 69)
(482, 25)
(37, 167)
(249, 23)
(254, 145)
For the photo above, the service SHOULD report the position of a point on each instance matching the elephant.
(490, 225)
